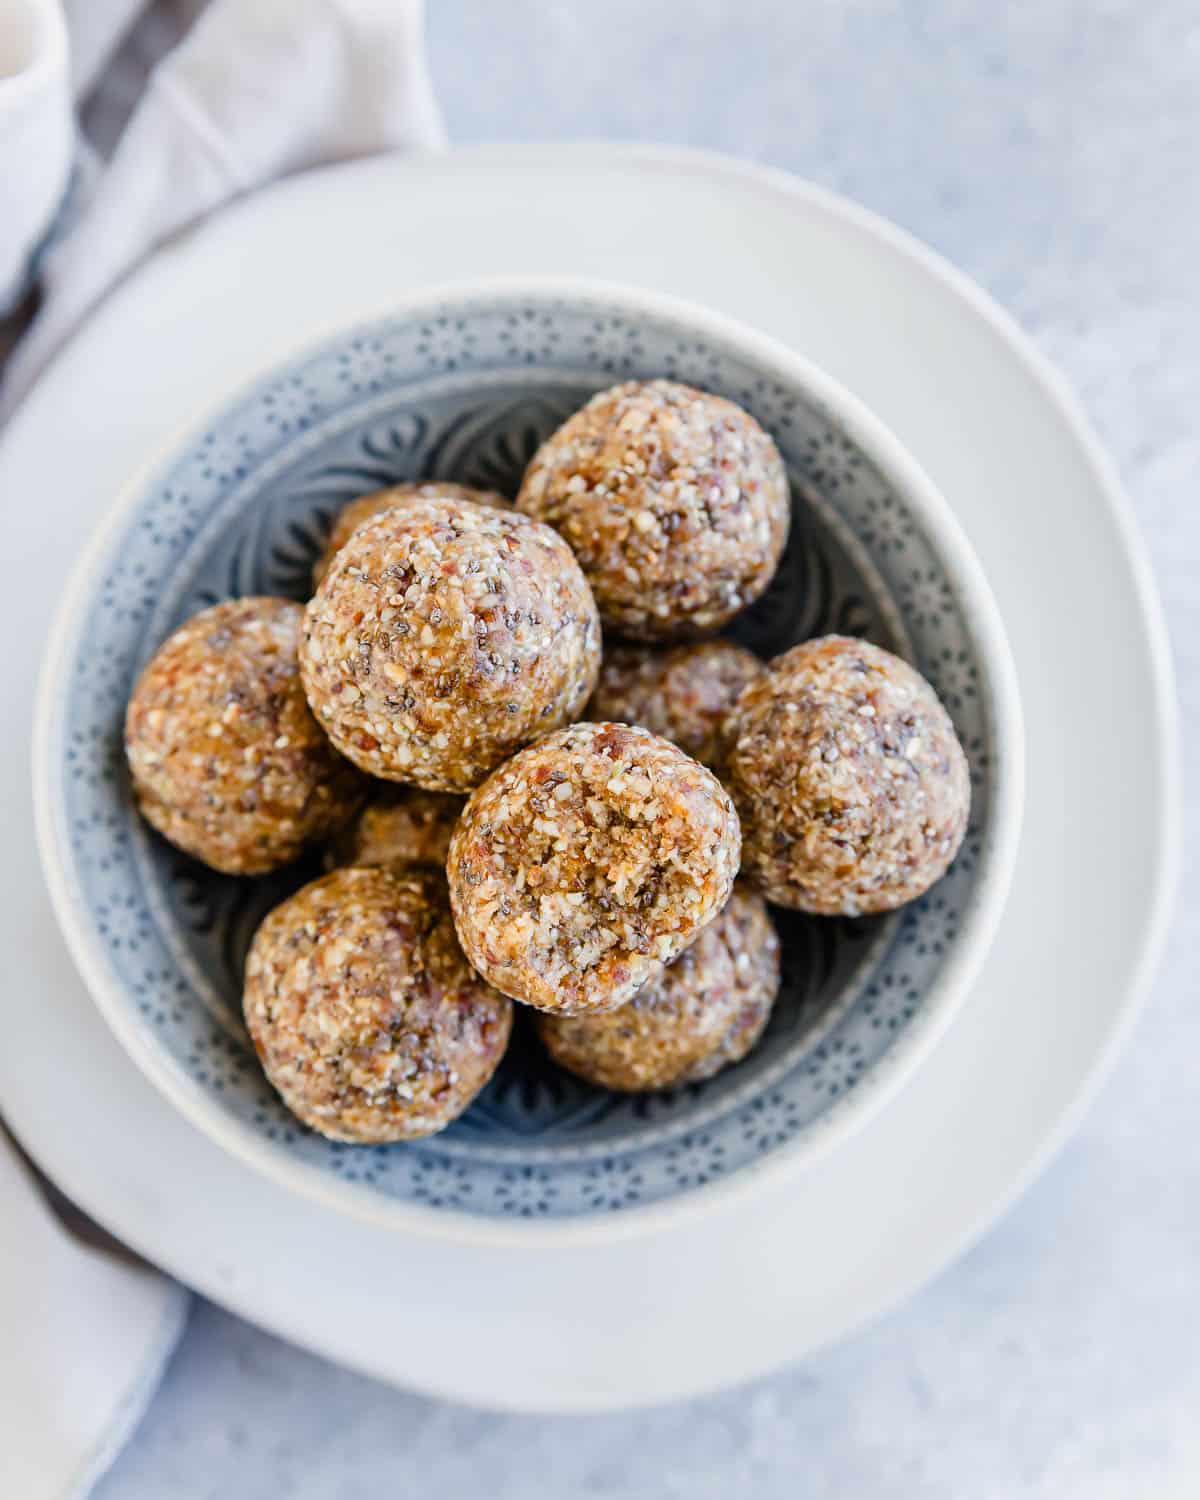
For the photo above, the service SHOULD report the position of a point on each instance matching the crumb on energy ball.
(444, 637)
(852, 787)
(400, 825)
(364, 1013)
(675, 502)
(705, 1010)
(227, 760)
(367, 507)
(682, 693)
(586, 863)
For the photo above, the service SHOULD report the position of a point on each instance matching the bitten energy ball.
(675, 502)
(851, 785)
(367, 507)
(444, 636)
(586, 863)
(703, 1012)
(227, 760)
(401, 825)
(682, 693)
(364, 1013)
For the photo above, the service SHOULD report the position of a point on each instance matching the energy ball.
(587, 863)
(682, 693)
(444, 637)
(750, 936)
(226, 758)
(367, 507)
(675, 502)
(364, 1013)
(852, 787)
(703, 1012)
(401, 825)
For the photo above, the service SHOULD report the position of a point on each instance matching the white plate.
(716, 1302)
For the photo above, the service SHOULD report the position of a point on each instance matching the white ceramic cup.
(36, 133)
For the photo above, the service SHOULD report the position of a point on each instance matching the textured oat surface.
(367, 507)
(226, 758)
(704, 1011)
(749, 934)
(851, 785)
(445, 636)
(400, 825)
(675, 502)
(363, 1011)
(682, 693)
(586, 863)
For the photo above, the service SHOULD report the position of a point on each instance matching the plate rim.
(142, 1221)
(878, 1086)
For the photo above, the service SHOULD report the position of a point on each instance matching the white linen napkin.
(85, 1340)
(256, 89)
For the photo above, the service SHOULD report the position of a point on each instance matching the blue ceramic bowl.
(464, 385)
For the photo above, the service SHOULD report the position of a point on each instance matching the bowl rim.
(878, 1085)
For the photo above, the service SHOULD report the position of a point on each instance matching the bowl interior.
(466, 391)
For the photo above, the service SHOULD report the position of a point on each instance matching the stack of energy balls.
(507, 816)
